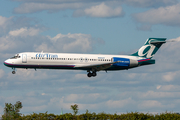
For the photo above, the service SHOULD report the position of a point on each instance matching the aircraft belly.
(42, 65)
(118, 68)
(110, 68)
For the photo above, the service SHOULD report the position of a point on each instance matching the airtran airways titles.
(92, 63)
(46, 55)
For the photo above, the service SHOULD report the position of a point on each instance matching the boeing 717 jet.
(92, 63)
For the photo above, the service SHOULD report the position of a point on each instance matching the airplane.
(92, 63)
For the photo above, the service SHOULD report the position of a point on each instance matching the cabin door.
(24, 58)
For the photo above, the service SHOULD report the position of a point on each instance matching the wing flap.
(97, 67)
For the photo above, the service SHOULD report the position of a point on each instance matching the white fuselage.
(90, 62)
(63, 60)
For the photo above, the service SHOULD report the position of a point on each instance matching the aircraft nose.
(6, 62)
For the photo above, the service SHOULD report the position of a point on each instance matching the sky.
(92, 27)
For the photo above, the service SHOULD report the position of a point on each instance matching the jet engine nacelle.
(125, 62)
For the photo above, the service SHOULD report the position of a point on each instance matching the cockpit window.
(16, 56)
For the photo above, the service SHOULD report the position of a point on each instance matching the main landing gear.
(91, 74)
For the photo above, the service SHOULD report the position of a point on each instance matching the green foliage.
(99, 116)
(12, 111)
(75, 109)
(167, 116)
(87, 116)
(40, 116)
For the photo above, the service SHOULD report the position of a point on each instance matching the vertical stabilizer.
(150, 47)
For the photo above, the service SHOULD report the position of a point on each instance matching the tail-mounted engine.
(125, 62)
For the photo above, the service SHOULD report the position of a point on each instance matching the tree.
(75, 109)
(12, 111)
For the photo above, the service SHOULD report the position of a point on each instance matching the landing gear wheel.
(13, 72)
(94, 74)
(89, 74)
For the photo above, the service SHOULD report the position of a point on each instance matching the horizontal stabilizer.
(157, 41)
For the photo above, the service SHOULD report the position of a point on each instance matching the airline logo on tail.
(146, 51)
(150, 48)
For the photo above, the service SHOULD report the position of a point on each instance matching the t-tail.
(150, 47)
(148, 50)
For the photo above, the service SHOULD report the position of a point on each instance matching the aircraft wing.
(97, 67)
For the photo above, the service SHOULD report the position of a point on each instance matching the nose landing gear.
(13, 72)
